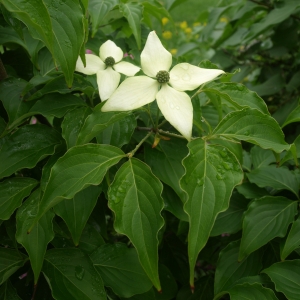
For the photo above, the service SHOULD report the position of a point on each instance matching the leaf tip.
(192, 287)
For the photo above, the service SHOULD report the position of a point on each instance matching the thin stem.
(144, 128)
(3, 73)
(107, 178)
(131, 153)
(171, 134)
(162, 123)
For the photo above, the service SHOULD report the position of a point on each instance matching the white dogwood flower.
(175, 105)
(107, 67)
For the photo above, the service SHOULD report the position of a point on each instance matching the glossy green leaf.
(36, 242)
(229, 270)
(71, 275)
(212, 172)
(135, 198)
(72, 124)
(59, 24)
(278, 178)
(121, 270)
(10, 261)
(8, 292)
(237, 96)
(230, 221)
(13, 191)
(80, 167)
(252, 126)
(293, 117)
(98, 121)
(170, 4)
(133, 12)
(286, 276)
(265, 219)
(261, 157)
(248, 291)
(10, 95)
(292, 241)
(250, 190)
(56, 105)
(9, 35)
(58, 85)
(26, 147)
(98, 9)
(119, 133)
(165, 162)
(76, 212)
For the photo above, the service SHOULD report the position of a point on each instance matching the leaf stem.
(131, 153)
(171, 134)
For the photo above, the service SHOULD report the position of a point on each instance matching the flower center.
(109, 61)
(163, 76)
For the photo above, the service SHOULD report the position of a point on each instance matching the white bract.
(175, 105)
(107, 67)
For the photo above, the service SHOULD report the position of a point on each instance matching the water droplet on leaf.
(79, 272)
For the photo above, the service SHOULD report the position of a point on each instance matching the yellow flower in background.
(224, 20)
(196, 24)
(167, 35)
(188, 30)
(183, 25)
(173, 51)
(164, 20)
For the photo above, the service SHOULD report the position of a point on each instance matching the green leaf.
(173, 203)
(135, 198)
(276, 16)
(56, 105)
(10, 95)
(80, 167)
(10, 261)
(72, 124)
(237, 96)
(76, 212)
(212, 172)
(230, 221)
(286, 277)
(9, 35)
(13, 191)
(261, 157)
(292, 241)
(165, 162)
(250, 190)
(293, 117)
(229, 270)
(170, 4)
(58, 85)
(248, 291)
(36, 242)
(8, 292)
(252, 126)
(265, 219)
(118, 133)
(26, 147)
(98, 121)
(71, 275)
(120, 269)
(98, 9)
(278, 178)
(59, 24)
(133, 12)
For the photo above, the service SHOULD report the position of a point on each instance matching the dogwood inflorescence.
(167, 87)
(107, 67)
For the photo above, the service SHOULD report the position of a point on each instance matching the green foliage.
(119, 205)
